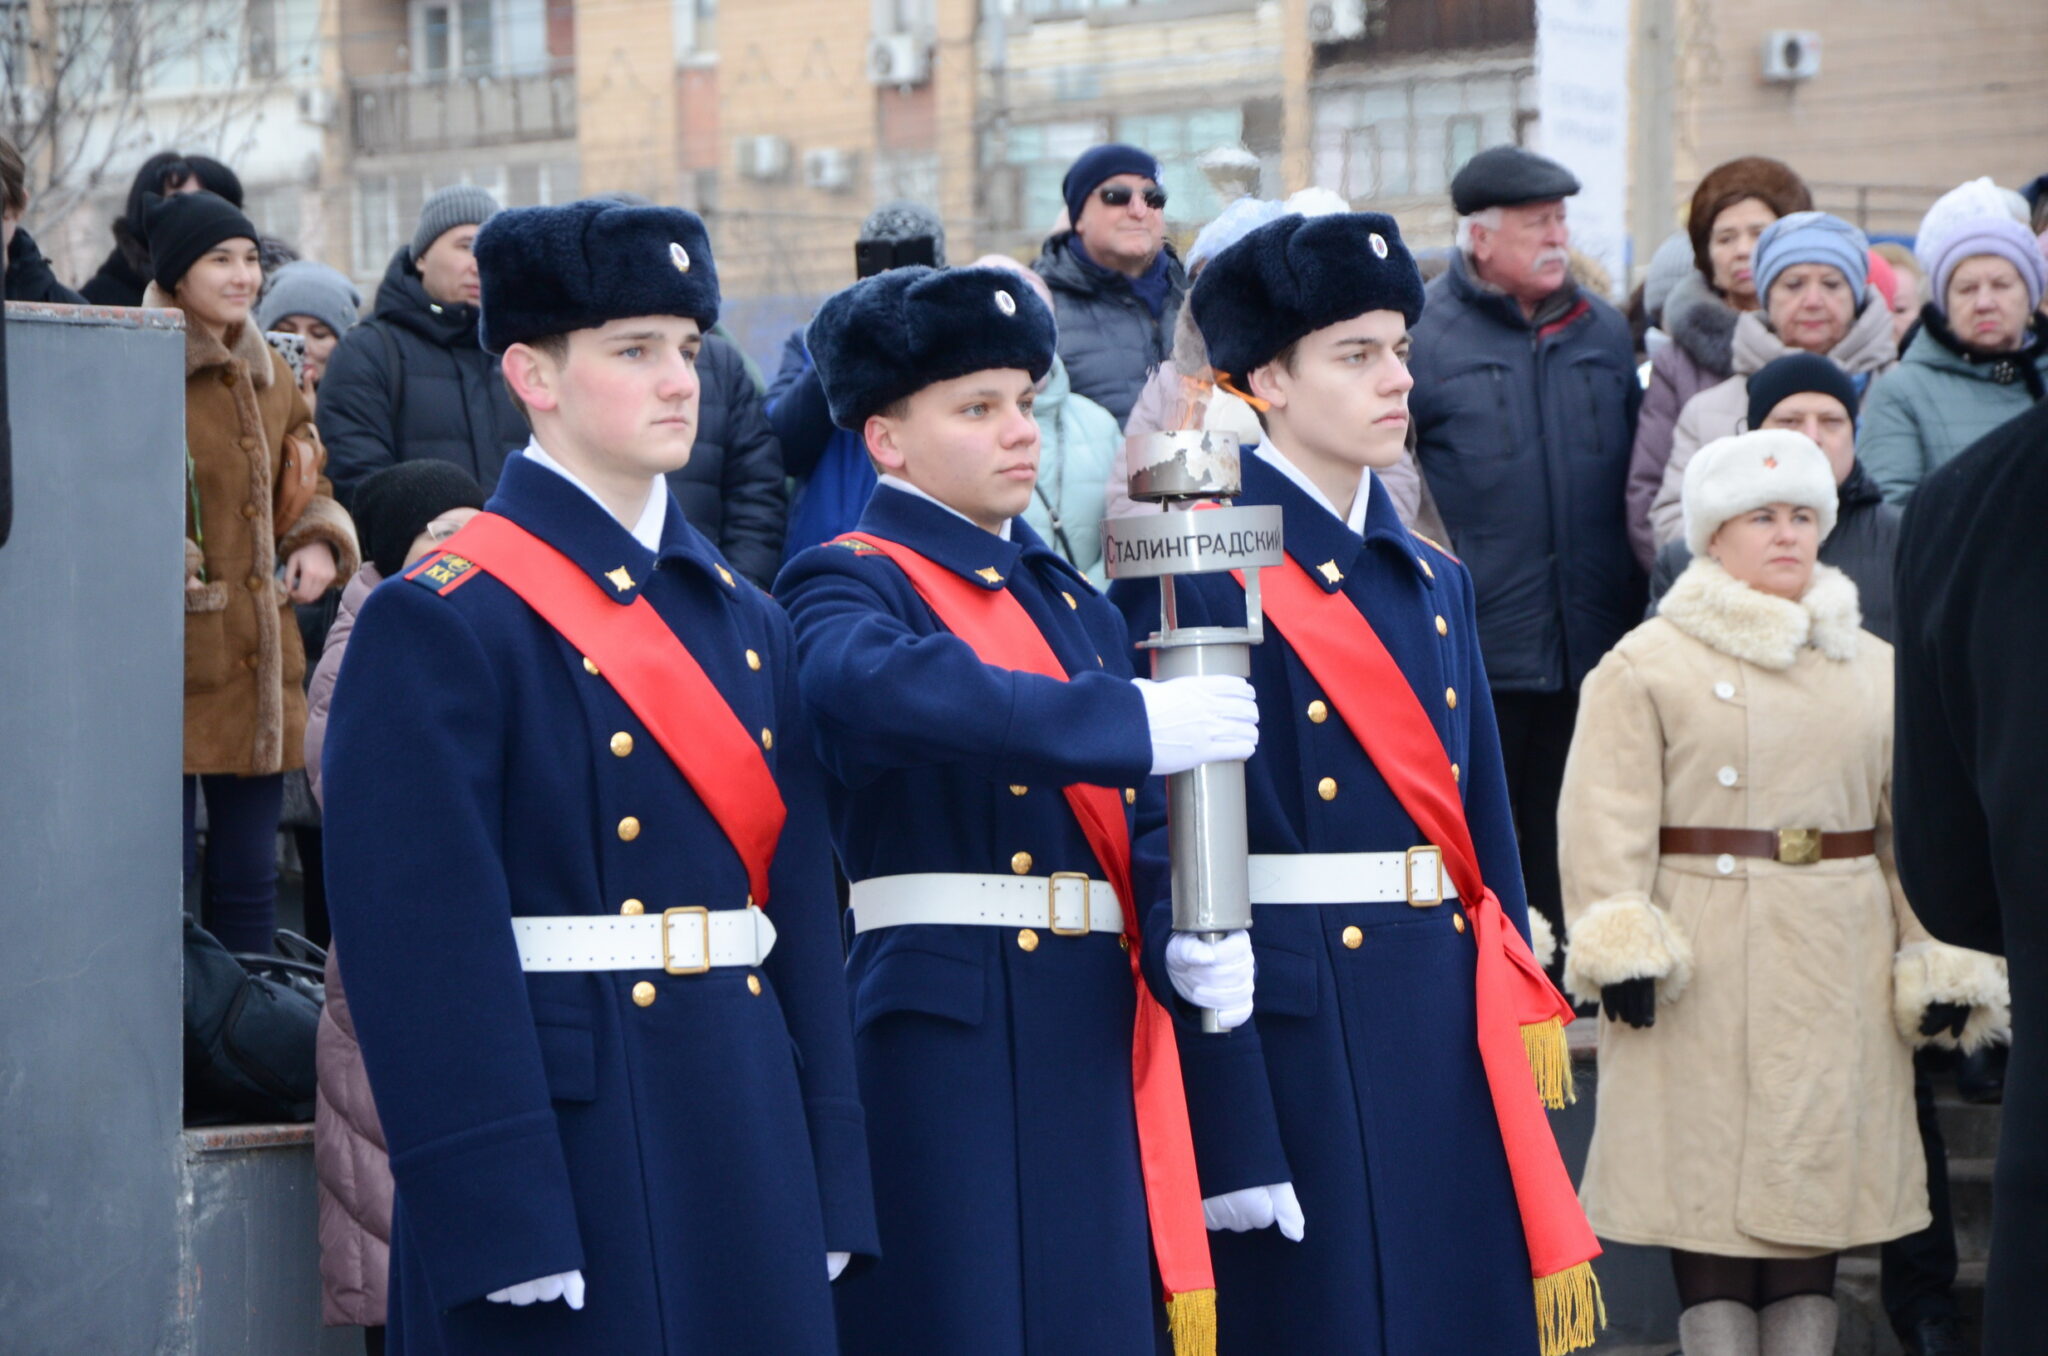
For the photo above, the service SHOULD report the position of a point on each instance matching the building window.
(695, 24)
(1041, 153)
(376, 224)
(480, 37)
(1178, 140)
(1406, 136)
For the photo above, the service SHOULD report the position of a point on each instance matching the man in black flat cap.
(1525, 408)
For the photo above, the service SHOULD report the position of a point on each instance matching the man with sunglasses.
(1116, 283)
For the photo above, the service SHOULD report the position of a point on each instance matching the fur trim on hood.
(1702, 324)
(1867, 347)
(1715, 608)
(1925, 973)
(1623, 938)
(202, 350)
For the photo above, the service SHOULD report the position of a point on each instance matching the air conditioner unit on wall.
(761, 157)
(1791, 54)
(899, 59)
(829, 168)
(1336, 20)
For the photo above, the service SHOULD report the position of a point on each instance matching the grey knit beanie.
(456, 205)
(906, 220)
(307, 287)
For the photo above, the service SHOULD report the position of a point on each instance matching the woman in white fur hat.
(1731, 902)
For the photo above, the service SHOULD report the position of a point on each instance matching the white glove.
(1213, 974)
(563, 1285)
(1206, 718)
(1255, 1208)
(835, 1262)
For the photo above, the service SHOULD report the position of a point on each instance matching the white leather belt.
(686, 941)
(1415, 877)
(1066, 903)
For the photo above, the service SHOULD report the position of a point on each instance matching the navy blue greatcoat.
(1358, 1078)
(695, 1157)
(997, 1079)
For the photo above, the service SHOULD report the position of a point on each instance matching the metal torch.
(1205, 806)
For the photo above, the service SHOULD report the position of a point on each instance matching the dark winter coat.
(412, 382)
(731, 490)
(695, 1157)
(1523, 432)
(1865, 539)
(1701, 354)
(997, 1079)
(29, 277)
(1109, 339)
(1358, 1077)
(1970, 798)
(829, 463)
(123, 275)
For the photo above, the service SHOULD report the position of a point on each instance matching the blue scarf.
(1150, 287)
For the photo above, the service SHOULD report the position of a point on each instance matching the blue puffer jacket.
(1523, 430)
(1109, 339)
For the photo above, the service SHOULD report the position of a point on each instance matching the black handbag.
(249, 1031)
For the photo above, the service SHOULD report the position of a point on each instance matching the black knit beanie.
(1792, 374)
(395, 505)
(185, 226)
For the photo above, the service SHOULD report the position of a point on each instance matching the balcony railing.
(392, 114)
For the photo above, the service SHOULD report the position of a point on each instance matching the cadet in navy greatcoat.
(1353, 1111)
(995, 1054)
(670, 1155)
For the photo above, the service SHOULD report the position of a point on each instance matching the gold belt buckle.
(1436, 855)
(667, 961)
(1798, 847)
(1052, 886)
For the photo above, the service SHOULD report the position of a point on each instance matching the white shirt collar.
(899, 483)
(1360, 502)
(647, 531)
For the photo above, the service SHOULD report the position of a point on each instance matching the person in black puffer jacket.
(1116, 284)
(731, 490)
(413, 381)
(125, 272)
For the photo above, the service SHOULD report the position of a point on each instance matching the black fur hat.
(550, 270)
(1296, 275)
(898, 332)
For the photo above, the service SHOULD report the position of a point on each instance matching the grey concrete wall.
(91, 710)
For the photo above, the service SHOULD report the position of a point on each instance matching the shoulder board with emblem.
(442, 572)
(1440, 548)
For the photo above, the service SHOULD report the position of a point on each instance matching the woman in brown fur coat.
(251, 453)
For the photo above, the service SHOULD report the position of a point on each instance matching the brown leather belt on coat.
(1792, 847)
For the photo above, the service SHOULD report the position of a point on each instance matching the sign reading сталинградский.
(1192, 542)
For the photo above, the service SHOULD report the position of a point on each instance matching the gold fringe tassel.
(1191, 1321)
(1550, 1060)
(1569, 1309)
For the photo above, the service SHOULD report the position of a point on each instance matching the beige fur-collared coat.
(245, 709)
(1768, 1112)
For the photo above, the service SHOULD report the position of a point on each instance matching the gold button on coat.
(1425, 567)
(1021, 863)
(1454, 772)
(726, 575)
(753, 661)
(1027, 940)
(1070, 600)
(1130, 795)
(1318, 711)
(1327, 788)
(767, 738)
(754, 985)
(622, 744)
(629, 829)
(590, 666)
(255, 582)
(632, 907)
(1016, 790)
(1353, 938)
(1458, 921)
(248, 510)
(1451, 698)
(643, 993)
(1443, 628)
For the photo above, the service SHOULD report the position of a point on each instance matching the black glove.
(1950, 1016)
(1633, 1001)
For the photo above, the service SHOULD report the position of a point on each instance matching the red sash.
(996, 626)
(652, 672)
(1519, 1010)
